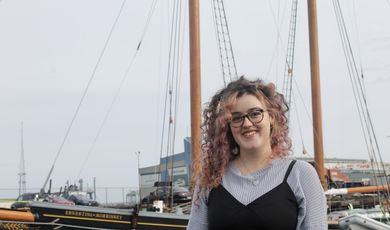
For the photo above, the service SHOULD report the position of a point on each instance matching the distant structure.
(354, 170)
(176, 168)
(22, 170)
(350, 164)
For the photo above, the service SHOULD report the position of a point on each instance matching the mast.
(316, 91)
(22, 169)
(194, 29)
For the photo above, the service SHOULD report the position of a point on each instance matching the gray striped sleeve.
(307, 188)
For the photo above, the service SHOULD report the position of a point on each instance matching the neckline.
(264, 196)
(256, 173)
(254, 177)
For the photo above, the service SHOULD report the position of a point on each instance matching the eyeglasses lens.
(255, 116)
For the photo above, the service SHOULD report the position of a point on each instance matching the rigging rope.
(304, 151)
(357, 37)
(360, 98)
(297, 89)
(117, 92)
(173, 85)
(84, 94)
(289, 68)
(288, 79)
(172, 96)
(228, 64)
(279, 40)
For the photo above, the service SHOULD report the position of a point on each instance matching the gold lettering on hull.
(93, 215)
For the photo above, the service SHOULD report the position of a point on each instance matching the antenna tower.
(22, 170)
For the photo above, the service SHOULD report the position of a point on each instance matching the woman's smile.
(249, 133)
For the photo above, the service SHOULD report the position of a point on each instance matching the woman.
(244, 179)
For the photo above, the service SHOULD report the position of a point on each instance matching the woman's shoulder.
(304, 165)
(304, 177)
(301, 164)
(305, 169)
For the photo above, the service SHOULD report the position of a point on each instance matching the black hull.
(54, 216)
(82, 217)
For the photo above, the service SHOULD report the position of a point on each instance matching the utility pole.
(94, 188)
(139, 177)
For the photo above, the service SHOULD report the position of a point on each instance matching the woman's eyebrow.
(250, 109)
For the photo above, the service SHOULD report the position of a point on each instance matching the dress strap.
(289, 169)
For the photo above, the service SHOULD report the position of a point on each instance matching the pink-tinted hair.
(217, 139)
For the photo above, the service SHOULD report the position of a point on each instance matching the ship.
(52, 216)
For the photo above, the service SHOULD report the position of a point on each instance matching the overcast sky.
(49, 49)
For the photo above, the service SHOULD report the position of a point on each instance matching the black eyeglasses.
(255, 116)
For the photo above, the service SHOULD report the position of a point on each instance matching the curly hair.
(217, 138)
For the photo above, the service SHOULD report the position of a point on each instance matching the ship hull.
(71, 217)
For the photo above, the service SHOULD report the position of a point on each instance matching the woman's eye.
(236, 118)
(255, 113)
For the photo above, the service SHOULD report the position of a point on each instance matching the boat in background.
(360, 222)
(50, 216)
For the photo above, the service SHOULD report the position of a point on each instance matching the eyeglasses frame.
(246, 115)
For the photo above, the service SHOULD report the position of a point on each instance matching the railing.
(104, 195)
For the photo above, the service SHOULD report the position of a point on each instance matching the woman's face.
(250, 134)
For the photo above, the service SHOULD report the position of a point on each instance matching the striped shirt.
(303, 181)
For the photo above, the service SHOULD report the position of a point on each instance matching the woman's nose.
(246, 122)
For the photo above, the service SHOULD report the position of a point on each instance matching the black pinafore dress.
(276, 209)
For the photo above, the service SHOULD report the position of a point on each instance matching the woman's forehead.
(246, 102)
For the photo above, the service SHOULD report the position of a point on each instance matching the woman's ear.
(271, 120)
(271, 124)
